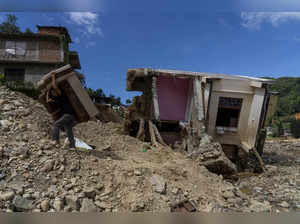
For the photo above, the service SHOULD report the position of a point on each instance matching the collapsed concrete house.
(179, 105)
(28, 57)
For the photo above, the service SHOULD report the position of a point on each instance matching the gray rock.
(89, 192)
(102, 205)
(137, 206)
(206, 139)
(5, 124)
(7, 196)
(48, 166)
(284, 204)
(257, 206)
(137, 173)
(88, 205)
(45, 205)
(175, 190)
(58, 204)
(75, 166)
(22, 204)
(73, 202)
(67, 209)
(158, 183)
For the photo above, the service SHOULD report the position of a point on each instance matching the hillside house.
(232, 109)
(28, 57)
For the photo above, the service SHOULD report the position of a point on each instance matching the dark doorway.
(12, 74)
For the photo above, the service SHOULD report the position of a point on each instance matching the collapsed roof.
(137, 76)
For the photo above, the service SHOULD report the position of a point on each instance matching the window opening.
(228, 112)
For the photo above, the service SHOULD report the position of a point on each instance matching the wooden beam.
(152, 134)
(254, 116)
(207, 95)
(261, 162)
(141, 129)
(198, 99)
(189, 105)
(155, 98)
(209, 79)
(158, 136)
(245, 147)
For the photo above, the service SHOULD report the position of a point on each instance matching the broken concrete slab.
(158, 183)
(22, 204)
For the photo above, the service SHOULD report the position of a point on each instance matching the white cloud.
(253, 20)
(87, 20)
(90, 44)
(76, 40)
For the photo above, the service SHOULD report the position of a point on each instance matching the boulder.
(158, 183)
(88, 205)
(22, 204)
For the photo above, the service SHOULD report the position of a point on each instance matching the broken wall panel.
(254, 116)
(172, 97)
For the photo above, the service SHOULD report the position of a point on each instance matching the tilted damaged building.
(232, 109)
(28, 57)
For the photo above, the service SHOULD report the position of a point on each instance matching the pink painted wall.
(172, 97)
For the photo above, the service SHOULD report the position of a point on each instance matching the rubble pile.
(279, 187)
(120, 174)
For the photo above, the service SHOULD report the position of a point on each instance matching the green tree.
(28, 31)
(277, 128)
(128, 101)
(10, 25)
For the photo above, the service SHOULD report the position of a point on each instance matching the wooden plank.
(254, 116)
(245, 147)
(152, 134)
(141, 130)
(158, 136)
(198, 99)
(83, 96)
(155, 98)
(207, 93)
(261, 162)
(189, 105)
(233, 91)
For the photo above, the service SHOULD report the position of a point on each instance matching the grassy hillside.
(289, 96)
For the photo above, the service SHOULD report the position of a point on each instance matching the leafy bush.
(24, 87)
(295, 128)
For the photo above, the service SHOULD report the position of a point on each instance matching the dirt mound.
(121, 174)
(106, 114)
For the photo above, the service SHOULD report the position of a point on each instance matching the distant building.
(28, 57)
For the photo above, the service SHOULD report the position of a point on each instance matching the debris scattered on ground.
(38, 177)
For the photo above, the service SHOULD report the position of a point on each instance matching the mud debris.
(37, 177)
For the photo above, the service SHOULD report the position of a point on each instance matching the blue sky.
(120, 35)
